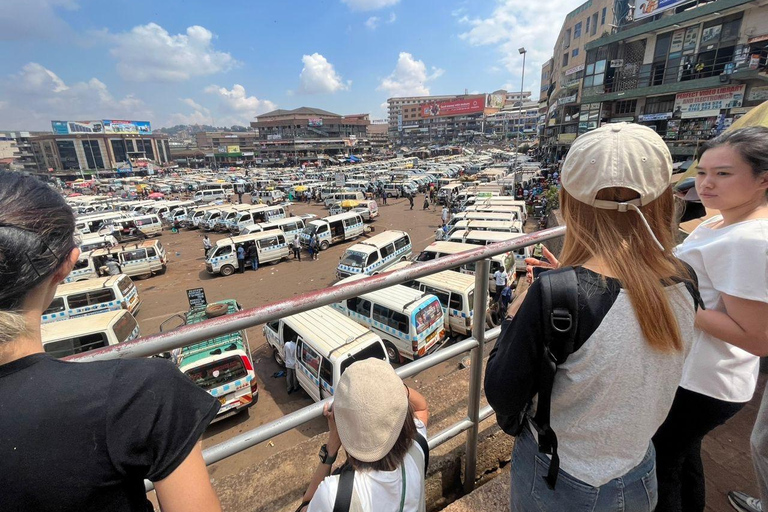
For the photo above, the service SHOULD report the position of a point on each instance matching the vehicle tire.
(162, 270)
(389, 195)
(276, 356)
(227, 270)
(392, 353)
(403, 259)
(324, 245)
(214, 310)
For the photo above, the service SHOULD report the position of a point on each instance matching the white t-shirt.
(379, 491)
(731, 260)
(501, 277)
(289, 350)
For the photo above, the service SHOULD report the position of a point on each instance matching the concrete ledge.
(491, 497)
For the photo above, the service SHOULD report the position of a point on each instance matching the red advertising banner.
(469, 105)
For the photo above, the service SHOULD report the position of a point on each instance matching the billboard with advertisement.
(128, 127)
(708, 102)
(646, 8)
(70, 127)
(468, 105)
(233, 149)
(315, 121)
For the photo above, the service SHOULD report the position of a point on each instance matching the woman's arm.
(419, 405)
(333, 446)
(188, 488)
(744, 324)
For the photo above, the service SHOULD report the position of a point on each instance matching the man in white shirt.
(445, 215)
(500, 277)
(289, 356)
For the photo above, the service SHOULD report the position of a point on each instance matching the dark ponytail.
(36, 236)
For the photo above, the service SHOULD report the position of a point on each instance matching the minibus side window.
(401, 242)
(441, 295)
(393, 319)
(99, 296)
(360, 306)
(81, 264)
(151, 252)
(326, 372)
(70, 346)
(57, 305)
(456, 301)
(309, 357)
(372, 259)
(223, 250)
(387, 250)
(124, 327)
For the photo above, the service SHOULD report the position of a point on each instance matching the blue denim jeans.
(636, 491)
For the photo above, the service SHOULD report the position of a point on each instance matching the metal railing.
(189, 334)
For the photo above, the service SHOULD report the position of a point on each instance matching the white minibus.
(272, 246)
(93, 296)
(333, 229)
(291, 226)
(78, 335)
(327, 342)
(410, 323)
(375, 254)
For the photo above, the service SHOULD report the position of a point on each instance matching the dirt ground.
(165, 295)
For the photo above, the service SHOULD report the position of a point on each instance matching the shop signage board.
(655, 117)
(617, 63)
(574, 69)
(646, 8)
(566, 100)
(708, 102)
(469, 105)
(127, 127)
(196, 298)
(758, 93)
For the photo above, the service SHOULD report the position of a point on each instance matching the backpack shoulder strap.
(344, 492)
(560, 313)
(424, 448)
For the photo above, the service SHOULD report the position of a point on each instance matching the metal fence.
(190, 334)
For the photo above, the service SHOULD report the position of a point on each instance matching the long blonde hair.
(627, 248)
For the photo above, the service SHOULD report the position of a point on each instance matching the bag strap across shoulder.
(344, 492)
(560, 309)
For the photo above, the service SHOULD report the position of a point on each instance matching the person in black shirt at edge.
(83, 436)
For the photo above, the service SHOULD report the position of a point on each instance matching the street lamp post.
(522, 51)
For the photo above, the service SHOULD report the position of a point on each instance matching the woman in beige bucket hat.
(382, 425)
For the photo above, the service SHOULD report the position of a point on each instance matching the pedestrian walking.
(253, 255)
(720, 374)
(629, 306)
(206, 245)
(500, 279)
(289, 356)
(426, 202)
(314, 246)
(446, 215)
(296, 248)
(240, 259)
(410, 200)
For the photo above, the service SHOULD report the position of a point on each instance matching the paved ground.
(165, 295)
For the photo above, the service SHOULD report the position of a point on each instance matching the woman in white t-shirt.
(729, 253)
(382, 426)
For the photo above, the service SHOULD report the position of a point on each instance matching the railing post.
(482, 271)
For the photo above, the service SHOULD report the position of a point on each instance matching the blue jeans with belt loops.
(636, 491)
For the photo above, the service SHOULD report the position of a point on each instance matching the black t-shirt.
(83, 436)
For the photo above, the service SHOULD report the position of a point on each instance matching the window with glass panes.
(626, 107)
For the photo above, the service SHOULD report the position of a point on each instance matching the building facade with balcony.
(310, 134)
(588, 22)
(228, 148)
(687, 73)
(17, 151)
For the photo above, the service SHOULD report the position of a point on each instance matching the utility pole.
(521, 51)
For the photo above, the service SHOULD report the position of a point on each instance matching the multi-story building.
(310, 134)
(687, 72)
(424, 120)
(397, 118)
(590, 21)
(228, 148)
(519, 115)
(377, 133)
(106, 145)
(17, 149)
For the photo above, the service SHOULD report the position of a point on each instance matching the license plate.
(222, 400)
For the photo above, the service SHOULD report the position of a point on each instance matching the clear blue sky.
(220, 63)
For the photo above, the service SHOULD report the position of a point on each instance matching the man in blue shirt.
(241, 258)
